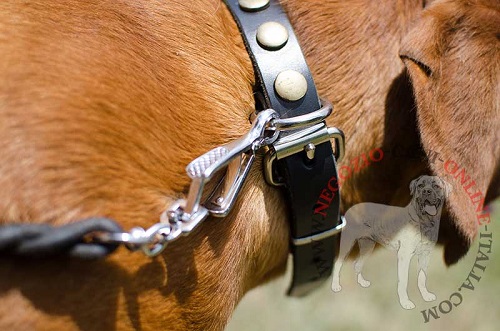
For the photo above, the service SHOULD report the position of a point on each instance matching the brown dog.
(103, 103)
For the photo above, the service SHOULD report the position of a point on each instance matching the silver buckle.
(320, 236)
(314, 132)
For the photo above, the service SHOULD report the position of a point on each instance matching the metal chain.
(97, 237)
(153, 240)
(183, 216)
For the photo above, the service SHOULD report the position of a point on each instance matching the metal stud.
(272, 35)
(310, 149)
(290, 85)
(253, 5)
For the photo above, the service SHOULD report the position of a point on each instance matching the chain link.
(177, 221)
(237, 157)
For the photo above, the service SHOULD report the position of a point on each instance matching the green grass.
(377, 307)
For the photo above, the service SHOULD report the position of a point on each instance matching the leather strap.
(311, 185)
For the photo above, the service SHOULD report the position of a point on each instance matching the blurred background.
(377, 307)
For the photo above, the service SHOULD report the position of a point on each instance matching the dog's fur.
(411, 230)
(103, 103)
(453, 54)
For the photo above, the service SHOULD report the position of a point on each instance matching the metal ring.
(269, 140)
(297, 122)
(159, 229)
(120, 238)
(174, 233)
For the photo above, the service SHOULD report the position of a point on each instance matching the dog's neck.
(252, 245)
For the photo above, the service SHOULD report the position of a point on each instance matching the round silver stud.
(290, 85)
(253, 5)
(272, 35)
(310, 150)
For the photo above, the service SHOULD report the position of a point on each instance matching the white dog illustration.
(410, 230)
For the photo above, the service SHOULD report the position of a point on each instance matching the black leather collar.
(310, 184)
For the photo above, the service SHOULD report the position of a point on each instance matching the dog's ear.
(413, 185)
(451, 54)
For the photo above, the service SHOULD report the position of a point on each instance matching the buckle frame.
(313, 131)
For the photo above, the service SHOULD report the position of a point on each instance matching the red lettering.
(321, 207)
(343, 177)
(463, 177)
(333, 188)
(380, 154)
(447, 163)
(485, 216)
(466, 188)
(355, 163)
(326, 195)
(480, 201)
(366, 163)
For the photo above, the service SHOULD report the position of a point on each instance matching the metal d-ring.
(307, 120)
